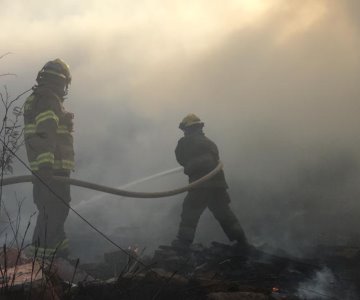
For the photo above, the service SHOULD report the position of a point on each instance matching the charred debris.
(216, 272)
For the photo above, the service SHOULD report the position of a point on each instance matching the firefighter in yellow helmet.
(50, 151)
(199, 155)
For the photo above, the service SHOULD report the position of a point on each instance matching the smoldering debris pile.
(23, 277)
(222, 261)
(218, 272)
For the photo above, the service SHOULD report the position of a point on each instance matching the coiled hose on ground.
(114, 191)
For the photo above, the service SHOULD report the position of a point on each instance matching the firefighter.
(49, 146)
(199, 155)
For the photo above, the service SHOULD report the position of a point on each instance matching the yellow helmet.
(190, 120)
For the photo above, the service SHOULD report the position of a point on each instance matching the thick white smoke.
(276, 84)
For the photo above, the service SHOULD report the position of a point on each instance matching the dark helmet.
(55, 71)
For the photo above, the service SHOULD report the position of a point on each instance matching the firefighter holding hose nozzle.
(199, 155)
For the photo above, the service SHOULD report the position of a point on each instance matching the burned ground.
(217, 272)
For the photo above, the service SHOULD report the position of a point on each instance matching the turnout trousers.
(49, 234)
(217, 200)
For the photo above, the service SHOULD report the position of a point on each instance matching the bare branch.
(19, 96)
(7, 53)
(8, 74)
(11, 129)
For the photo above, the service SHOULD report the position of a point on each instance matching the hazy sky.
(276, 82)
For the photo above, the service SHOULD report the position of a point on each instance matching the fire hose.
(118, 192)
